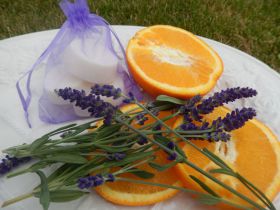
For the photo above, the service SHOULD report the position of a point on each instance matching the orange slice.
(132, 194)
(168, 60)
(253, 151)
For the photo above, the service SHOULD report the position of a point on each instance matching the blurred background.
(249, 25)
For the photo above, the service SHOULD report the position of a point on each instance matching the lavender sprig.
(110, 149)
(106, 90)
(236, 119)
(94, 181)
(94, 104)
(224, 97)
(8, 163)
(193, 109)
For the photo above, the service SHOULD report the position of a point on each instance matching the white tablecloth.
(17, 54)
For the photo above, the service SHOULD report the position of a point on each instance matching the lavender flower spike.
(106, 90)
(224, 97)
(116, 156)
(236, 119)
(94, 181)
(96, 106)
(8, 163)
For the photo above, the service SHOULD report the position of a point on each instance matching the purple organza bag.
(80, 55)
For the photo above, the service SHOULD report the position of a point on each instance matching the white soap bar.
(56, 78)
(90, 59)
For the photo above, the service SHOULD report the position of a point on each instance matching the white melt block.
(90, 59)
(58, 79)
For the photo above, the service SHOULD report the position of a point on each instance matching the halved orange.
(132, 194)
(253, 151)
(169, 60)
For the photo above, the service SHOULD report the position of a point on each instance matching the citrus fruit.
(133, 194)
(253, 151)
(169, 60)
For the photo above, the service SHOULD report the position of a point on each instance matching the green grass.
(249, 25)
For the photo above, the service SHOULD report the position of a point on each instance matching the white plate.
(17, 54)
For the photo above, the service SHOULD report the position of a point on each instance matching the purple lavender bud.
(218, 136)
(66, 134)
(204, 126)
(8, 163)
(126, 101)
(224, 97)
(157, 127)
(130, 98)
(217, 124)
(172, 156)
(90, 181)
(195, 115)
(116, 156)
(237, 118)
(194, 100)
(142, 140)
(98, 180)
(141, 119)
(188, 126)
(106, 90)
(96, 106)
(224, 136)
(110, 178)
(187, 118)
(108, 117)
(171, 145)
(84, 183)
(190, 104)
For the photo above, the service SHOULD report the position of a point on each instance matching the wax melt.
(94, 63)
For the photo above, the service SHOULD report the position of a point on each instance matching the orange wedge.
(168, 60)
(253, 151)
(132, 194)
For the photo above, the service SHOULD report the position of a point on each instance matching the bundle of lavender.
(111, 145)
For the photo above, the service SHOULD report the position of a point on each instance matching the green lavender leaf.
(138, 156)
(162, 105)
(64, 195)
(180, 151)
(222, 171)
(161, 139)
(203, 186)
(39, 142)
(128, 159)
(170, 99)
(162, 167)
(67, 158)
(104, 131)
(111, 149)
(44, 193)
(61, 129)
(256, 191)
(33, 168)
(61, 171)
(208, 200)
(141, 173)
